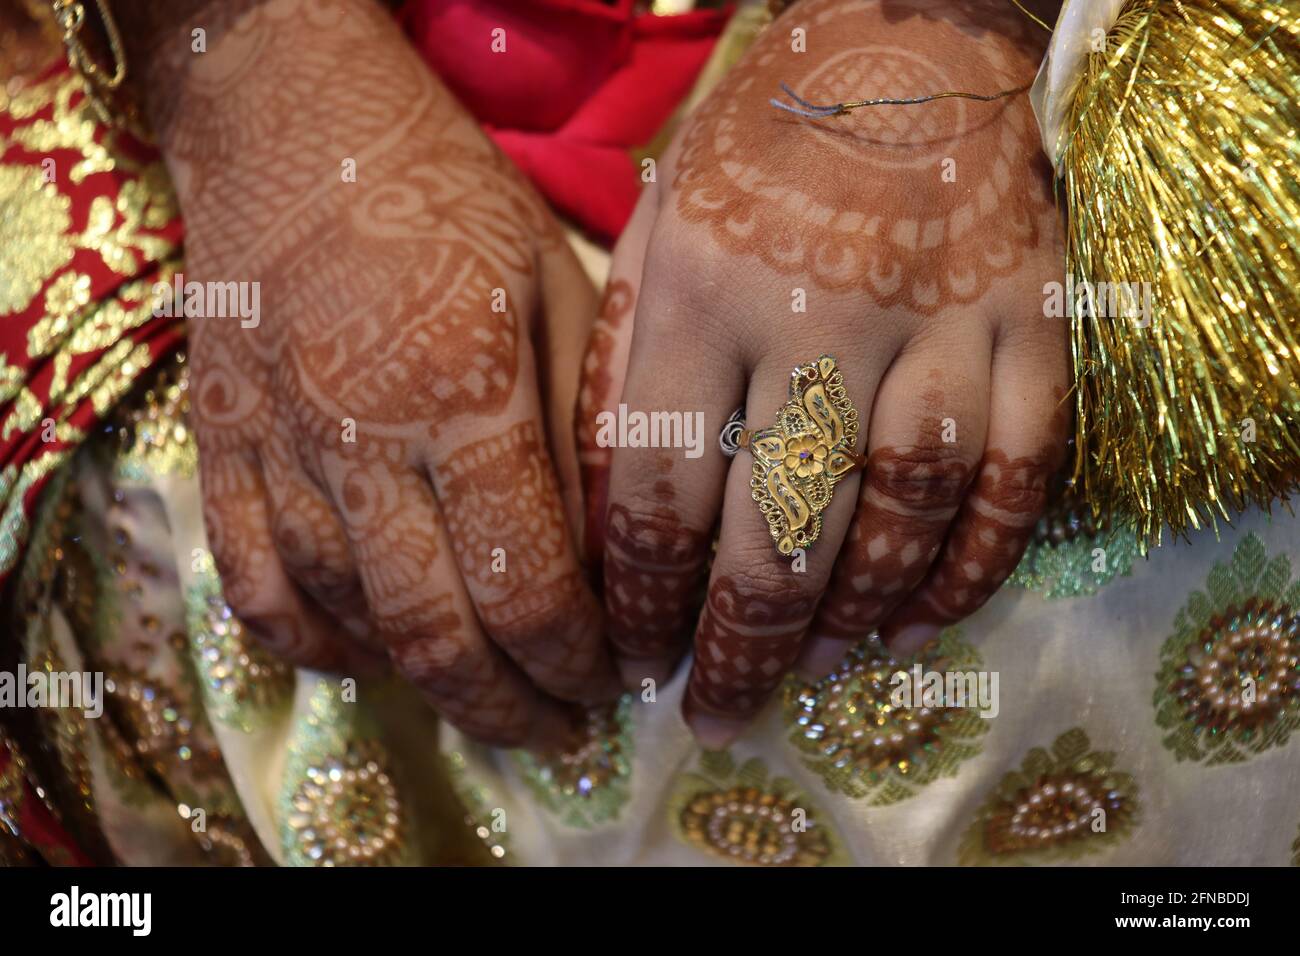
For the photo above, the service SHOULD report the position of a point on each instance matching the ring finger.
(761, 599)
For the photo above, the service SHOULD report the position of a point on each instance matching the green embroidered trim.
(242, 685)
(1075, 564)
(864, 747)
(740, 815)
(1229, 679)
(339, 804)
(483, 814)
(589, 785)
(1060, 806)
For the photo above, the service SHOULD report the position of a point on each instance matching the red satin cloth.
(55, 384)
(579, 86)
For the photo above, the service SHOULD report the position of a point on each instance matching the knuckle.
(761, 593)
(1016, 486)
(541, 616)
(291, 639)
(245, 589)
(255, 605)
(690, 264)
(643, 537)
(927, 477)
(334, 586)
(541, 620)
(429, 662)
(429, 628)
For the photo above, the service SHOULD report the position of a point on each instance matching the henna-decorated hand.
(375, 451)
(920, 238)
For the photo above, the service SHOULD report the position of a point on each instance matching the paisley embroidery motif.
(339, 805)
(590, 784)
(739, 815)
(1060, 806)
(861, 745)
(1229, 678)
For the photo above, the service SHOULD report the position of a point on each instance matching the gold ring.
(799, 461)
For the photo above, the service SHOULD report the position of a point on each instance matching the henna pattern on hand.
(654, 576)
(910, 495)
(596, 395)
(988, 536)
(747, 639)
(377, 309)
(500, 493)
(837, 201)
(469, 689)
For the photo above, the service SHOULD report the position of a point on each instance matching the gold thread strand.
(802, 107)
(1181, 171)
(1031, 16)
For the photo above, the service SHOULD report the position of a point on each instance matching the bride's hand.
(386, 455)
(912, 243)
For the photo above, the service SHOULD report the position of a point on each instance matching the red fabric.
(580, 85)
(30, 376)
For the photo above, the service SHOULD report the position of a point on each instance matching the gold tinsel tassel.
(1181, 169)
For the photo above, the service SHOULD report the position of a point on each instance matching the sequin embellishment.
(488, 822)
(1059, 806)
(1229, 678)
(340, 805)
(243, 686)
(743, 816)
(588, 785)
(851, 734)
(1073, 554)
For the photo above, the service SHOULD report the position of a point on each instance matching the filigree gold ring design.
(799, 461)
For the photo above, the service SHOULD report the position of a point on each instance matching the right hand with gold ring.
(912, 243)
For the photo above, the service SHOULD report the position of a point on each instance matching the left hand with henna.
(919, 238)
(385, 449)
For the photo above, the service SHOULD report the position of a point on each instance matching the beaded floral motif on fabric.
(1229, 677)
(851, 732)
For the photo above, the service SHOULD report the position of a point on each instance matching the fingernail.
(608, 688)
(554, 732)
(366, 663)
(714, 732)
(822, 656)
(912, 638)
(636, 671)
